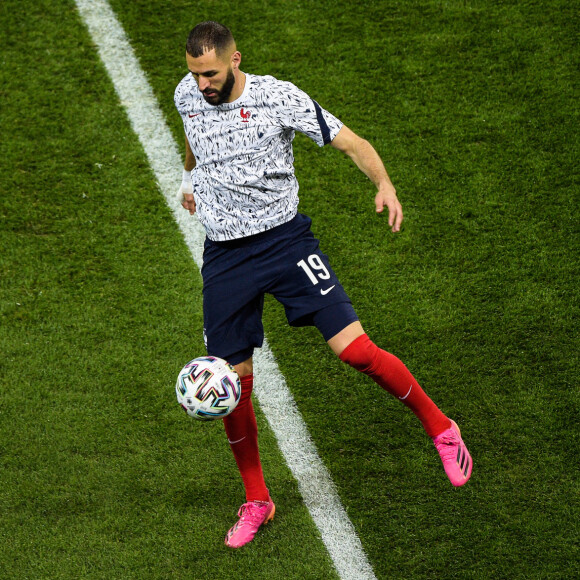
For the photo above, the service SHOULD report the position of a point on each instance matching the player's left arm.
(369, 162)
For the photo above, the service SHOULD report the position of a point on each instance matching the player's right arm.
(186, 190)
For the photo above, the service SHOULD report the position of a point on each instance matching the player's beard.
(221, 96)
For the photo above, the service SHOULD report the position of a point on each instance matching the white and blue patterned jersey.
(244, 180)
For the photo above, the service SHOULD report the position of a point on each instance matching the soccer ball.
(208, 388)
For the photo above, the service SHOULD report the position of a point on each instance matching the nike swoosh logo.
(325, 292)
(196, 115)
(236, 441)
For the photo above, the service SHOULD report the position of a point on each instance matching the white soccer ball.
(208, 388)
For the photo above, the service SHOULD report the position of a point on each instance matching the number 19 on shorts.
(314, 269)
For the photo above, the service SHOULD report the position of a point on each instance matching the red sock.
(393, 376)
(242, 432)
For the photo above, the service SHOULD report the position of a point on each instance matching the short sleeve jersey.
(244, 180)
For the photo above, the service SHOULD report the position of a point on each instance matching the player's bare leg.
(245, 368)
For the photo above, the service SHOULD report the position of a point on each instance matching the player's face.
(215, 77)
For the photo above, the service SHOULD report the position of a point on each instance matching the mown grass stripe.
(275, 399)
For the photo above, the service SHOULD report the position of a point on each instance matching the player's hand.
(188, 203)
(387, 197)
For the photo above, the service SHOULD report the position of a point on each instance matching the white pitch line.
(275, 399)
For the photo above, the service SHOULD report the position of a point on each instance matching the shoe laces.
(447, 443)
(449, 438)
(252, 512)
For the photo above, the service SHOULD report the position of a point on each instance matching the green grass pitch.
(473, 106)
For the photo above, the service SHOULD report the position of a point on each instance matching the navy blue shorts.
(286, 262)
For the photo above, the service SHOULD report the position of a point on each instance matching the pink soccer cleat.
(456, 459)
(252, 515)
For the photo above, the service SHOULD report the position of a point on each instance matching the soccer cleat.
(252, 514)
(456, 459)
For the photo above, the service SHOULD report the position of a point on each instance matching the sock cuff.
(247, 383)
(358, 349)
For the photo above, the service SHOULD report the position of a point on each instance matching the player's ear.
(236, 59)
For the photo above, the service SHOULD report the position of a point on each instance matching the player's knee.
(245, 368)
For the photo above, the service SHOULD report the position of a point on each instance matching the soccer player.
(239, 179)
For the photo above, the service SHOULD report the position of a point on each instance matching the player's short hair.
(209, 35)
